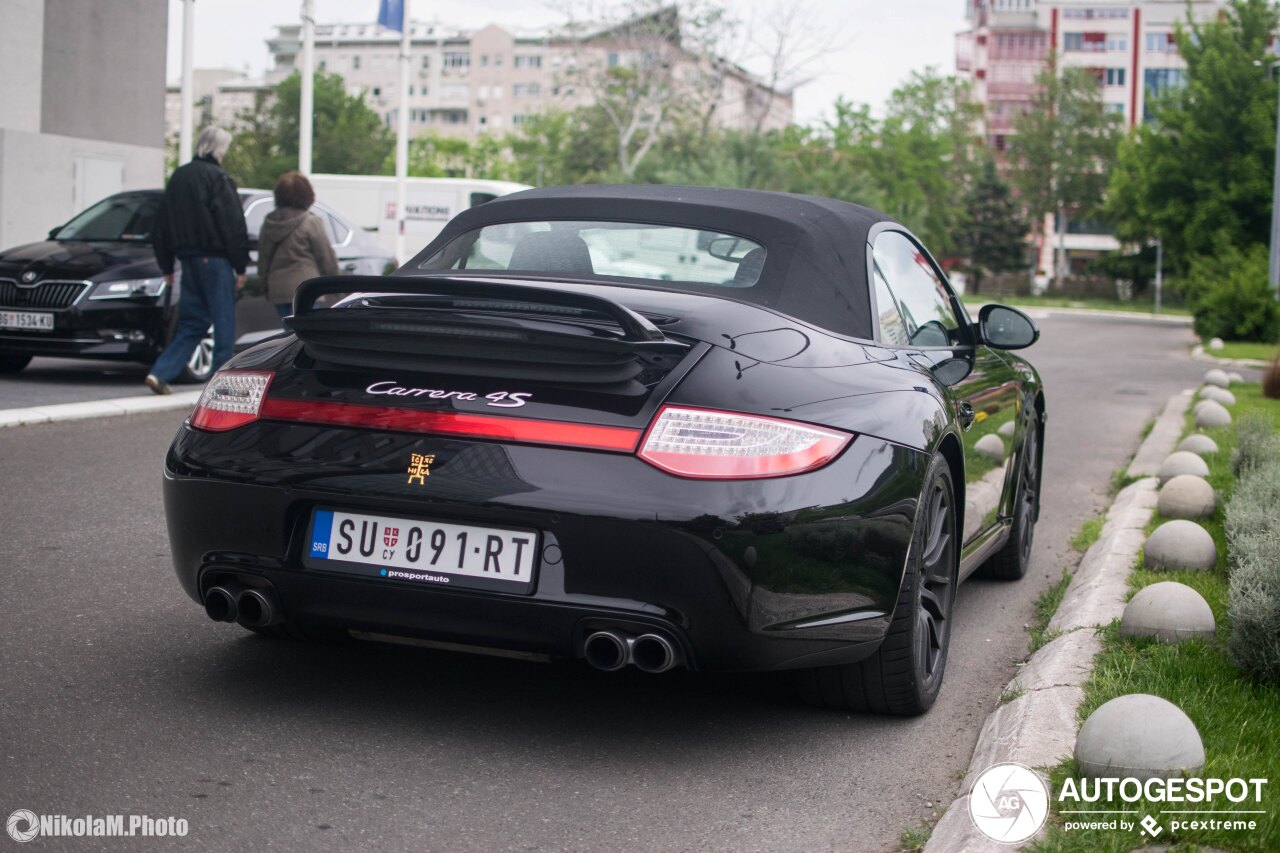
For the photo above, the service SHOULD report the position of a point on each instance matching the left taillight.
(232, 399)
(715, 445)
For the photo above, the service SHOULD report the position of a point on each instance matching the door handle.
(966, 415)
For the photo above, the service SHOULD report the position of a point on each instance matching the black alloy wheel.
(1011, 562)
(904, 675)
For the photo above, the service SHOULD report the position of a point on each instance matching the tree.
(1199, 174)
(921, 158)
(350, 138)
(993, 236)
(1063, 149)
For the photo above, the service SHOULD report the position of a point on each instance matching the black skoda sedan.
(641, 426)
(93, 289)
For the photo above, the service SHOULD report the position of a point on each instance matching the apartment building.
(1129, 46)
(466, 83)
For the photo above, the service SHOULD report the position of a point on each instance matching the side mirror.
(1003, 327)
(53, 232)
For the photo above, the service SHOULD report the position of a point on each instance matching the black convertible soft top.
(815, 263)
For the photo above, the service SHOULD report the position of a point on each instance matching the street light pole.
(308, 83)
(1159, 271)
(186, 119)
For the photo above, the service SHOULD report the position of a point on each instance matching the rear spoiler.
(466, 295)
(481, 328)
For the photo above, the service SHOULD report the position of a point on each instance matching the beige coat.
(293, 246)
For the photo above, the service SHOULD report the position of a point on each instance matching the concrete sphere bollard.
(1216, 377)
(1216, 343)
(1233, 376)
(1186, 496)
(1217, 395)
(1180, 544)
(991, 447)
(1182, 462)
(1212, 414)
(1007, 430)
(1170, 612)
(1199, 444)
(1139, 735)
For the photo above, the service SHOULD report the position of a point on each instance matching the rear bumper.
(800, 571)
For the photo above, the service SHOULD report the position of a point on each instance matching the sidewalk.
(98, 409)
(1037, 728)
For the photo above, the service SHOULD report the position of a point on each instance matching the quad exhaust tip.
(232, 602)
(607, 650)
(654, 653)
(220, 602)
(611, 650)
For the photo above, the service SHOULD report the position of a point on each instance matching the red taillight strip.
(523, 430)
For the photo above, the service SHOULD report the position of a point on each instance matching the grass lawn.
(1246, 349)
(1144, 303)
(1238, 718)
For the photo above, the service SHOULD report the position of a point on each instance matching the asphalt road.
(119, 696)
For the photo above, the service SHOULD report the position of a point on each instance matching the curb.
(1198, 354)
(1163, 437)
(1037, 728)
(98, 409)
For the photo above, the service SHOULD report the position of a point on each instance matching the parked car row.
(94, 290)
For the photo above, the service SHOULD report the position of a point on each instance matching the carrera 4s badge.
(501, 399)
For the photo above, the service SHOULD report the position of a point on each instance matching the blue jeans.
(208, 298)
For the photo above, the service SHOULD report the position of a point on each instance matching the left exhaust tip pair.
(251, 607)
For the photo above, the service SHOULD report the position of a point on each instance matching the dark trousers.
(208, 298)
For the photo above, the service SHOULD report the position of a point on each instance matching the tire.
(1011, 562)
(904, 675)
(200, 366)
(13, 363)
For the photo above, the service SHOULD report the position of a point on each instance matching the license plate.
(39, 322)
(430, 552)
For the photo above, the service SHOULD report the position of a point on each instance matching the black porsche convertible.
(642, 426)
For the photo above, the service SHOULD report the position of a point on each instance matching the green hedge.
(1253, 539)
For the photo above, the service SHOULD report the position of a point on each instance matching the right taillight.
(706, 444)
(232, 399)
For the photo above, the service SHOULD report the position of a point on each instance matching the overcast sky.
(877, 44)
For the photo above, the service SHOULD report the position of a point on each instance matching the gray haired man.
(200, 224)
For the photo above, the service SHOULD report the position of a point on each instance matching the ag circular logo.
(1009, 803)
(23, 825)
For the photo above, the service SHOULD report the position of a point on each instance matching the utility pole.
(306, 109)
(187, 118)
(402, 136)
(1275, 200)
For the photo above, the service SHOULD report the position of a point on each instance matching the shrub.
(1257, 442)
(1253, 601)
(1230, 296)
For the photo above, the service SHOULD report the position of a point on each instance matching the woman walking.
(293, 244)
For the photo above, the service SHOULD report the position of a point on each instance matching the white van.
(370, 202)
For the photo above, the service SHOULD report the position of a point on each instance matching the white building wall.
(21, 63)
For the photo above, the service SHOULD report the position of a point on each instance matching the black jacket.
(201, 215)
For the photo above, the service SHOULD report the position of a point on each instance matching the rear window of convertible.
(607, 249)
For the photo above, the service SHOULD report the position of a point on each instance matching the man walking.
(201, 223)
